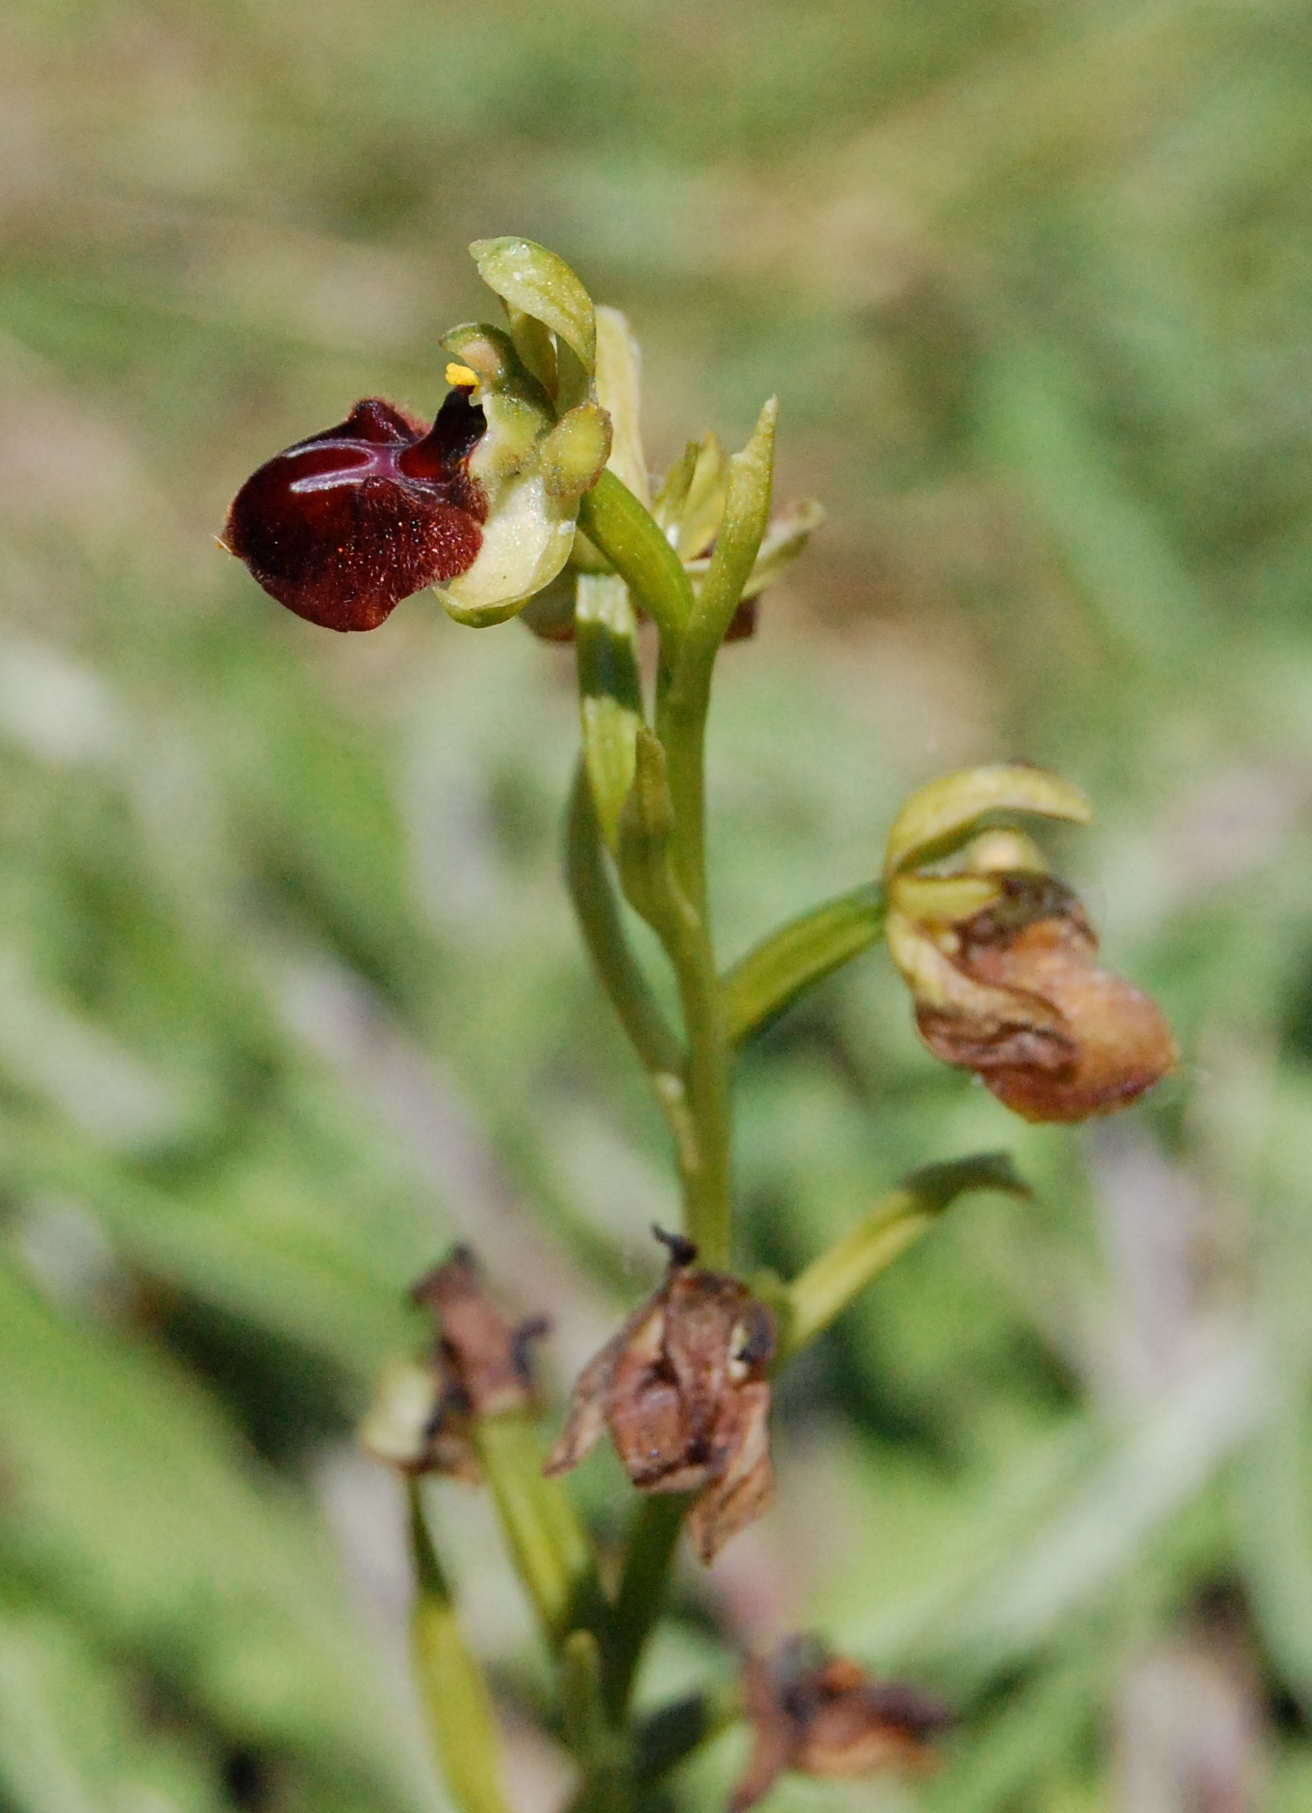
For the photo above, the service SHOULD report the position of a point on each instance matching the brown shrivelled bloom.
(480, 1367)
(346, 523)
(822, 1715)
(684, 1390)
(1054, 1037)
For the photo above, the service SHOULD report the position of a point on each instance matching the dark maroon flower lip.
(344, 524)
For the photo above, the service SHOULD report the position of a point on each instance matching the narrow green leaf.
(761, 985)
(829, 1283)
(947, 813)
(127, 1487)
(783, 541)
(646, 824)
(598, 911)
(454, 1691)
(610, 694)
(73, 1738)
(529, 277)
(746, 515)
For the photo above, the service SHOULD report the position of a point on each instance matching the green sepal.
(942, 899)
(573, 379)
(772, 975)
(610, 695)
(784, 540)
(829, 1283)
(702, 510)
(645, 826)
(667, 505)
(535, 346)
(527, 276)
(948, 813)
(741, 531)
(619, 390)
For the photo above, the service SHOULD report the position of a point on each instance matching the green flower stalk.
(529, 494)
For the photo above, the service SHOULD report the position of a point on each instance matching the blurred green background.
(289, 993)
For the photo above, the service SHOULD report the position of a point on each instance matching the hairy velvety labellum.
(345, 524)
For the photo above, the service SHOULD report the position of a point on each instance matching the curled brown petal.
(1080, 1041)
(481, 1352)
(423, 1416)
(683, 1390)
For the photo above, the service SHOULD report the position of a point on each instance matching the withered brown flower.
(1054, 1037)
(684, 1390)
(822, 1715)
(422, 1420)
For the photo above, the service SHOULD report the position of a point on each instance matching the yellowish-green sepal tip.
(943, 816)
(539, 283)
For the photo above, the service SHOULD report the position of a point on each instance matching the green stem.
(552, 1554)
(456, 1701)
(700, 1113)
(683, 699)
(603, 931)
(632, 542)
(648, 1553)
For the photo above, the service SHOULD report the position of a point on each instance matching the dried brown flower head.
(822, 1715)
(684, 1390)
(423, 1415)
(1054, 1037)
(999, 956)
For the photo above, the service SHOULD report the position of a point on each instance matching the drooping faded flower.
(823, 1716)
(684, 1390)
(423, 1413)
(1071, 1040)
(1001, 959)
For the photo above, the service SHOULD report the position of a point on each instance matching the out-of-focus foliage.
(289, 995)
